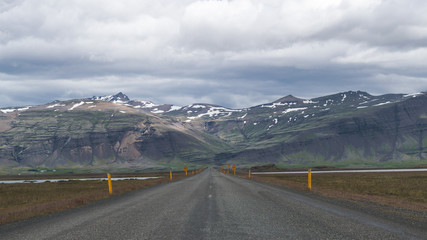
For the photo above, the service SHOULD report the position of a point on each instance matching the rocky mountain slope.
(114, 131)
(345, 127)
(100, 134)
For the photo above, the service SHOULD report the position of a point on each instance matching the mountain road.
(212, 205)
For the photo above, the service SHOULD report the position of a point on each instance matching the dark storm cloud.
(234, 53)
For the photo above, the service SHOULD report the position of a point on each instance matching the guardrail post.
(110, 187)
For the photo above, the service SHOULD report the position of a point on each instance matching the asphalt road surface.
(212, 205)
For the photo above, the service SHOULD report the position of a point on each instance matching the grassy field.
(23, 200)
(407, 190)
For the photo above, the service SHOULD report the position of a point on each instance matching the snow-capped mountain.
(123, 99)
(289, 107)
(119, 98)
(202, 111)
(351, 126)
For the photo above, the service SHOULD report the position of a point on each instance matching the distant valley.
(349, 129)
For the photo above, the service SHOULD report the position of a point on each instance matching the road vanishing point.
(213, 205)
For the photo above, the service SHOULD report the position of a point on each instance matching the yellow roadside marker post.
(228, 168)
(234, 169)
(309, 179)
(110, 187)
(170, 173)
(249, 173)
(185, 169)
(192, 172)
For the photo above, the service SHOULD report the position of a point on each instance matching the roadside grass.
(403, 189)
(24, 200)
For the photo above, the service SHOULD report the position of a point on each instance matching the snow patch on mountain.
(276, 104)
(139, 104)
(9, 110)
(197, 106)
(56, 105)
(328, 101)
(23, 109)
(246, 114)
(380, 104)
(174, 108)
(412, 95)
(76, 106)
(79, 104)
(147, 104)
(119, 102)
(293, 110)
(156, 110)
(213, 111)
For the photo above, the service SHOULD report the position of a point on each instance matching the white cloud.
(410, 59)
(217, 43)
(148, 32)
(400, 83)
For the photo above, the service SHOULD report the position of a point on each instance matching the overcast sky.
(233, 53)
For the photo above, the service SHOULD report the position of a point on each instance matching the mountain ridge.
(121, 98)
(114, 131)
